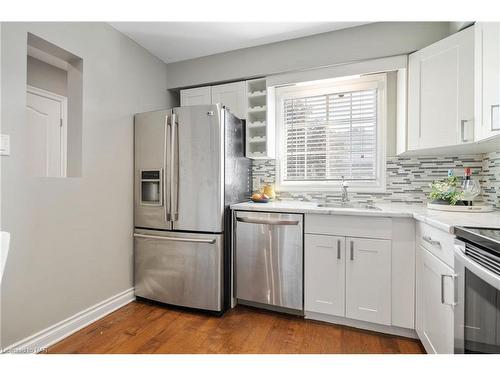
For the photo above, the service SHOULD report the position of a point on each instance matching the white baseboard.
(49, 336)
(391, 330)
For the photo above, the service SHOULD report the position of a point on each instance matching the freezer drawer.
(269, 259)
(182, 269)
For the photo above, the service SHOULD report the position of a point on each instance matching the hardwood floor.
(142, 327)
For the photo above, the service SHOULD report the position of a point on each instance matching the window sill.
(332, 189)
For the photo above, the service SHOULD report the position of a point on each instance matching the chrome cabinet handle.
(166, 190)
(452, 277)
(493, 107)
(429, 240)
(462, 130)
(178, 239)
(326, 302)
(266, 221)
(174, 171)
(352, 250)
(338, 249)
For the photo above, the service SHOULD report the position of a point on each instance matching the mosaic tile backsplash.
(490, 179)
(408, 179)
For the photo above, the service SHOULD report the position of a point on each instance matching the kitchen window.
(331, 129)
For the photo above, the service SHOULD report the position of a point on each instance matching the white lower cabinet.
(368, 280)
(348, 277)
(360, 271)
(435, 295)
(324, 274)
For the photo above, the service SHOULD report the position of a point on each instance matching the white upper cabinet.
(232, 96)
(441, 93)
(324, 271)
(487, 79)
(196, 96)
(368, 280)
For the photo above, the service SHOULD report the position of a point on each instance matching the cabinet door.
(368, 280)
(435, 293)
(324, 274)
(232, 96)
(196, 96)
(441, 93)
(487, 79)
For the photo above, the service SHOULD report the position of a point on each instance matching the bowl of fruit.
(259, 198)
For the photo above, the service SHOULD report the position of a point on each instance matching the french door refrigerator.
(189, 167)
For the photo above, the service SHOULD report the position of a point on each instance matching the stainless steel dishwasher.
(269, 260)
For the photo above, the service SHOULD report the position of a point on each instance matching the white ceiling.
(176, 41)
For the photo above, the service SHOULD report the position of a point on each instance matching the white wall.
(1, 273)
(358, 43)
(71, 244)
(47, 77)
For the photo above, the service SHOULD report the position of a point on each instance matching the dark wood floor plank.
(322, 338)
(258, 334)
(143, 327)
(99, 333)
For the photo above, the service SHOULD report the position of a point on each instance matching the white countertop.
(440, 219)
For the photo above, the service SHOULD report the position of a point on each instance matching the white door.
(441, 93)
(196, 96)
(487, 79)
(46, 133)
(324, 278)
(232, 96)
(368, 280)
(435, 294)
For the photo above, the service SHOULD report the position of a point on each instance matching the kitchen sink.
(359, 206)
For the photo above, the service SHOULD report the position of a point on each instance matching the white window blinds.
(330, 136)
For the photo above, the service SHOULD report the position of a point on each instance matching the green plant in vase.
(446, 191)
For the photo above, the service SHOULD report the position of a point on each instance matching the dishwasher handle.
(267, 221)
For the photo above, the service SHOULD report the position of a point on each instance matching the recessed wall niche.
(53, 110)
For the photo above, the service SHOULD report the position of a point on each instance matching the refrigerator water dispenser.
(151, 187)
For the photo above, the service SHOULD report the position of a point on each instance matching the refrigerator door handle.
(166, 189)
(174, 175)
(178, 239)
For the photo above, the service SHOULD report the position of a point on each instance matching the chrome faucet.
(343, 186)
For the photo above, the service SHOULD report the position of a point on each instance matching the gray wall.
(358, 43)
(47, 77)
(71, 243)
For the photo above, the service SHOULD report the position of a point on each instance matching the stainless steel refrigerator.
(189, 167)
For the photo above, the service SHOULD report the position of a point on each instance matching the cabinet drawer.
(344, 225)
(438, 242)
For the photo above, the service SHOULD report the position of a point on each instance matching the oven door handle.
(478, 270)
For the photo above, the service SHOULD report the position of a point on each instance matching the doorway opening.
(47, 121)
(53, 110)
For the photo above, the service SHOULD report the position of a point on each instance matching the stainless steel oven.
(477, 310)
